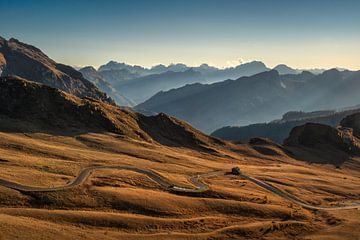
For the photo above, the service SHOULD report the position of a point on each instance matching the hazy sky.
(303, 34)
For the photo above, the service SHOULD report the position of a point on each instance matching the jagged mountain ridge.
(234, 72)
(139, 83)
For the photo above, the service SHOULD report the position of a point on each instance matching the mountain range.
(188, 92)
(137, 83)
(279, 130)
(43, 108)
(258, 98)
(74, 165)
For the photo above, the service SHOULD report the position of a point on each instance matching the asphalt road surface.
(196, 180)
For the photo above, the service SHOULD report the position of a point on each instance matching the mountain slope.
(23, 60)
(352, 121)
(284, 69)
(48, 108)
(259, 98)
(91, 74)
(140, 89)
(332, 145)
(329, 90)
(233, 101)
(279, 130)
(47, 137)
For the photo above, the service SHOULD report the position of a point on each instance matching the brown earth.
(47, 136)
(329, 145)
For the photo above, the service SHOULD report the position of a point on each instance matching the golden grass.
(119, 204)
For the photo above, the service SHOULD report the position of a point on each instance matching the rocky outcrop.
(324, 138)
(29, 62)
(353, 122)
(2, 62)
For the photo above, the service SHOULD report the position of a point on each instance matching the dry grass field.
(47, 137)
(119, 204)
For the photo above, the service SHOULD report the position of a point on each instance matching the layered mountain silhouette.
(278, 130)
(142, 88)
(211, 106)
(26, 61)
(95, 77)
(258, 98)
(34, 107)
(138, 83)
(207, 71)
(112, 65)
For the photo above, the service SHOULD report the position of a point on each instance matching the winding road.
(166, 184)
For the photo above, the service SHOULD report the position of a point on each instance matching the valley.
(187, 120)
(142, 186)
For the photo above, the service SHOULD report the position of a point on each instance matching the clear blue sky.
(302, 34)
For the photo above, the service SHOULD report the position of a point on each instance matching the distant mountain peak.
(88, 68)
(204, 65)
(252, 63)
(331, 73)
(284, 69)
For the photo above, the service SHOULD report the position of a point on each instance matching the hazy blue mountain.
(140, 83)
(113, 65)
(211, 106)
(142, 88)
(211, 72)
(95, 77)
(259, 98)
(114, 76)
(284, 69)
(205, 69)
(329, 90)
(178, 67)
(246, 69)
(278, 130)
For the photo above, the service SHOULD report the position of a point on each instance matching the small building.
(235, 171)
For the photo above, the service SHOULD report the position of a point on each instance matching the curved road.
(86, 172)
(164, 183)
(293, 198)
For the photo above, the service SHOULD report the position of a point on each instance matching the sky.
(301, 34)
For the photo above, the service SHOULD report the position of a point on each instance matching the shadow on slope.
(320, 143)
(31, 107)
